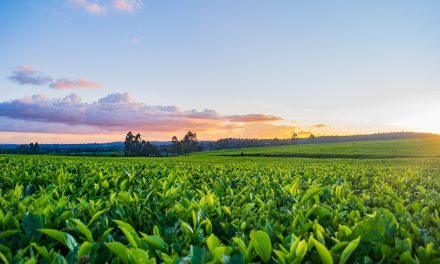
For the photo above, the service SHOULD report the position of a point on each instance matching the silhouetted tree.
(189, 143)
(311, 139)
(175, 146)
(135, 146)
(129, 145)
(28, 149)
(294, 138)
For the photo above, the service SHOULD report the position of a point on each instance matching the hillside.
(419, 147)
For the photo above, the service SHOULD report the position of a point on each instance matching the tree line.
(135, 146)
(32, 148)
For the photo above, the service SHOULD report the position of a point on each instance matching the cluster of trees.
(188, 144)
(134, 146)
(32, 148)
(231, 143)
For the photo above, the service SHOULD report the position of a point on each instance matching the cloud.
(81, 83)
(253, 118)
(93, 8)
(116, 113)
(100, 7)
(136, 40)
(25, 74)
(129, 6)
(116, 98)
(320, 126)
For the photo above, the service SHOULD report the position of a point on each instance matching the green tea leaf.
(262, 244)
(83, 229)
(349, 250)
(119, 250)
(9, 233)
(212, 242)
(64, 238)
(323, 252)
(310, 193)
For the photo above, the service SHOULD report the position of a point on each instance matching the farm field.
(420, 147)
(211, 209)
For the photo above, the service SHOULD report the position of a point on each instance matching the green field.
(206, 208)
(421, 147)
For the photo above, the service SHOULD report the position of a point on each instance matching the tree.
(294, 138)
(129, 145)
(135, 146)
(175, 146)
(311, 139)
(189, 143)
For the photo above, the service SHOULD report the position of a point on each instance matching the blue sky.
(355, 66)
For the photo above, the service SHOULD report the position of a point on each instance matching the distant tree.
(135, 146)
(311, 139)
(175, 146)
(36, 149)
(189, 143)
(28, 149)
(129, 145)
(294, 138)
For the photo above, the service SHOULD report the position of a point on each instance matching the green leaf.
(370, 229)
(3, 258)
(83, 229)
(64, 238)
(301, 250)
(31, 224)
(42, 250)
(310, 193)
(9, 233)
(155, 241)
(240, 244)
(186, 227)
(198, 255)
(140, 256)
(129, 232)
(84, 249)
(95, 217)
(212, 242)
(119, 250)
(262, 244)
(349, 250)
(323, 252)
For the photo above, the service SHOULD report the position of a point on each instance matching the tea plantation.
(219, 210)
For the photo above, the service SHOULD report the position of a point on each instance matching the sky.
(77, 71)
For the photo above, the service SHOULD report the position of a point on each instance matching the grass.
(377, 149)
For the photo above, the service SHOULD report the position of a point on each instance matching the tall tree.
(311, 139)
(175, 146)
(129, 146)
(190, 142)
(294, 138)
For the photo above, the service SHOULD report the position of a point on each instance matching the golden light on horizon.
(428, 122)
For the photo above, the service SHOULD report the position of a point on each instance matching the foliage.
(134, 146)
(188, 144)
(218, 210)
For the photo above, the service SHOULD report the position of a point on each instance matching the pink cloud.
(128, 6)
(116, 113)
(81, 83)
(250, 118)
(28, 75)
(101, 7)
(90, 7)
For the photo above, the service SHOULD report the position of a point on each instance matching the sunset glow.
(90, 71)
